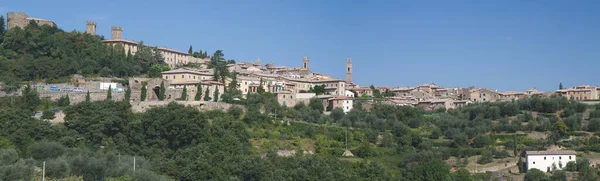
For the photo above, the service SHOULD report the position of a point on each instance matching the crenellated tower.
(117, 33)
(90, 27)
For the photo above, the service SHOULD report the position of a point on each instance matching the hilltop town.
(293, 85)
(78, 106)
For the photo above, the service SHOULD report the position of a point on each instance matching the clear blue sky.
(504, 45)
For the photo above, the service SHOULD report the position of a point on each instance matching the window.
(569, 157)
(291, 97)
(194, 77)
(560, 158)
(173, 77)
(484, 94)
(283, 96)
(167, 77)
(544, 158)
(534, 163)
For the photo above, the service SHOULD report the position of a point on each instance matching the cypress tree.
(260, 89)
(207, 95)
(87, 97)
(161, 94)
(2, 30)
(109, 93)
(560, 86)
(216, 94)
(127, 94)
(190, 51)
(198, 93)
(184, 93)
(144, 92)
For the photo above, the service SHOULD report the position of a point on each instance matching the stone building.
(171, 56)
(182, 76)
(289, 99)
(582, 92)
(20, 19)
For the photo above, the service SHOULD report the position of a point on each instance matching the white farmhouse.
(548, 160)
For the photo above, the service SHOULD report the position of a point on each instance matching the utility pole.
(44, 171)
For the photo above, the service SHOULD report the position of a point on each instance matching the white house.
(349, 93)
(548, 160)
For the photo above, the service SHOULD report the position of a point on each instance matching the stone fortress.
(172, 57)
(20, 19)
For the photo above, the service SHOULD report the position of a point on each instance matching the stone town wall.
(200, 105)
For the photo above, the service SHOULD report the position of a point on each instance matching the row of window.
(183, 77)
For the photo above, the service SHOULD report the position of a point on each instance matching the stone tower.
(16, 19)
(117, 33)
(90, 27)
(305, 62)
(257, 61)
(349, 70)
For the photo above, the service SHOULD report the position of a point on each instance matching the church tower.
(349, 70)
(305, 62)
(90, 27)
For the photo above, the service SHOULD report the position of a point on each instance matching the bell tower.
(305, 62)
(349, 70)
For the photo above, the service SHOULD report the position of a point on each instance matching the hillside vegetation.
(100, 139)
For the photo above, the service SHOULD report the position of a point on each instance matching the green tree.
(184, 93)
(2, 30)
(127, 96)
(462, 175)
(30, 98)
(10, 84)
(521, 165)
(144, 91)
(536, 175)
(260, 89)
(109, 93)
(316, 104)
(87, 97)
(190, 51)
(216, 94)
(433, 170)
(561, 127)
(162, 92)
(560, 86)
(198, 92)
(207, 94)
(48, 114)
(558, 175)
(64, 101)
